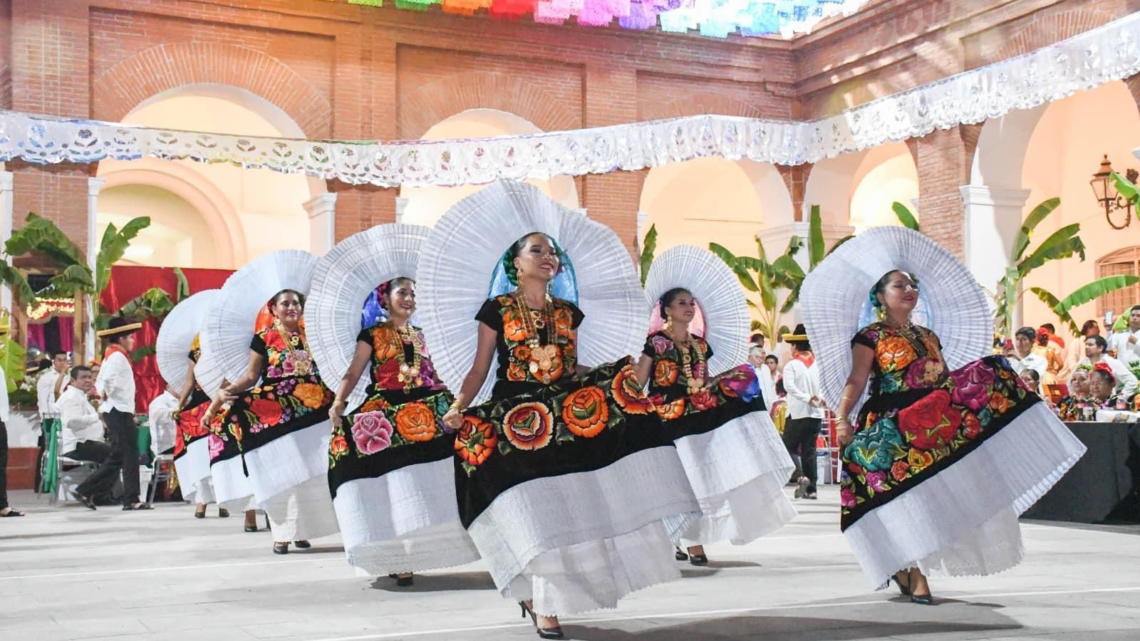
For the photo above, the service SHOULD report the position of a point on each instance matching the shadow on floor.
(743, 628)
(438, 582)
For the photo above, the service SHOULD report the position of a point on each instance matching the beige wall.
(177, 236)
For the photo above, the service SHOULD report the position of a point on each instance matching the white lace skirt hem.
(302, 512)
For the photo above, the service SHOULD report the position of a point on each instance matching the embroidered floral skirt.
(935, 478)
(565, 489)
(232, 489)
(192, 452)
(734, 458)
(393, 484)
(283, 431)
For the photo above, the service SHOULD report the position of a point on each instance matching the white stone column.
(94, 185)
(993, 220)
(322, 223)
(6, 182)
(1136, 152)
(401, 207)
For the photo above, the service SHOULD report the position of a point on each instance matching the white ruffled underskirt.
(302, 513)
(580, 542)
(202, 492)
(737, 472)
(232, 489)
(192, 467)
(404, 521)
(288, 461)
(963, 521)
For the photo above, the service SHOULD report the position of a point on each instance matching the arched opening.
(886, 175)
(242, 212)
(714, 200)
(425, 205)
(1064, 150)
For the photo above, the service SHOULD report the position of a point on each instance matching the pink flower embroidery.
(847, 497)
(371, 432)
(972, 385)
(216, 446)
(661, 344)
(875, 481)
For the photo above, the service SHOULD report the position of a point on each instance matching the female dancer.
(390, 471)
(731, 451)
(566, 479)
(939, 463)
(290, 398)
(192, 405)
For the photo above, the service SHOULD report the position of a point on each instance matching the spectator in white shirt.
(161, 412)
(805, 409)
(1095, 352)
(5, 509)
(1126, 344)
(82, 427)
(47, 387)
(116, 385)
(1022, 356)
(758, 360)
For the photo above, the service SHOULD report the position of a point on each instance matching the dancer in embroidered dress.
(289, 398)
(711, 404)
(391, 467)
(939, 462)
(566, 478)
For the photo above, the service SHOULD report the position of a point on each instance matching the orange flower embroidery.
(670, 411)
(895, 353)
(999, 403)
(310, 394)
(585, 412)
(529, 426)
(384, 348)
(338, 445)
(513, 328)
(475, 441)
(664, 373)
(416, 422)
(564, 322)
(628, 394)
(374, 405)
(703, 400)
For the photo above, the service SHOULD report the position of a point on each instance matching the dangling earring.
(880, 313)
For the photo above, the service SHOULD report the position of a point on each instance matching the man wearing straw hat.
(805, 409)
(116, 385)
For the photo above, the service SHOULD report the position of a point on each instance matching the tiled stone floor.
(69, 573)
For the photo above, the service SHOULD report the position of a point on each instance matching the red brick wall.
(347, 71)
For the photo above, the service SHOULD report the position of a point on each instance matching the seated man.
(82, 438)
(162, 428)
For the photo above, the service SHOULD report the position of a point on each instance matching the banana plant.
(1061, 244)
(648, 248)
(765, 278)
(906, 218)
(12, 356)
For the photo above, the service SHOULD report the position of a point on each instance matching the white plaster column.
(642, 219)
(94, 185)
(401, 207)
(1136, 152)
(993, 220)
(322, 223)
(6, 182)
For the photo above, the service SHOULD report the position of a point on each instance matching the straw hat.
(118, 326)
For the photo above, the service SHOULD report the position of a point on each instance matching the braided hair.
(516, 250)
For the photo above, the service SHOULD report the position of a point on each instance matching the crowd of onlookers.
(1080, 376)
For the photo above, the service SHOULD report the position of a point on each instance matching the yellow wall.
(177, 236)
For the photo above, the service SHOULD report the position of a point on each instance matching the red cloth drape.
(128, 282)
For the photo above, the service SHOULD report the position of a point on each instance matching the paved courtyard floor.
(69, 573)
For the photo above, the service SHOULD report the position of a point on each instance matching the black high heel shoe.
(905, 589)
(681, 556)
(922, 599)
(543, 633)
(404, 581)
(699, 560)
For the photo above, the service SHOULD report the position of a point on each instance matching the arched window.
(1123, 262)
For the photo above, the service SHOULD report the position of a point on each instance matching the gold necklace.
(686, 348)
(409, 372)
(541, 356)
(301, 367)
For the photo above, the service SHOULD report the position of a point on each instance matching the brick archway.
(699, 104)
(437, 101)
(169, 66)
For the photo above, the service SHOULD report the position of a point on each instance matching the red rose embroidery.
(898, 470)
(930, 423)
(703, 400)
(268, 412)
(274, 340)
(973, 426)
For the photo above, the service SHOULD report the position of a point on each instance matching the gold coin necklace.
(294, 340)
(541, 356)
(686, 348)
(409, 372)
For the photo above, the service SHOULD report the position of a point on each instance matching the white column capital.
(321, 205)
(993, 196)
(1136, 152)
(7, 181)
(94, 185)
(401, 207)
